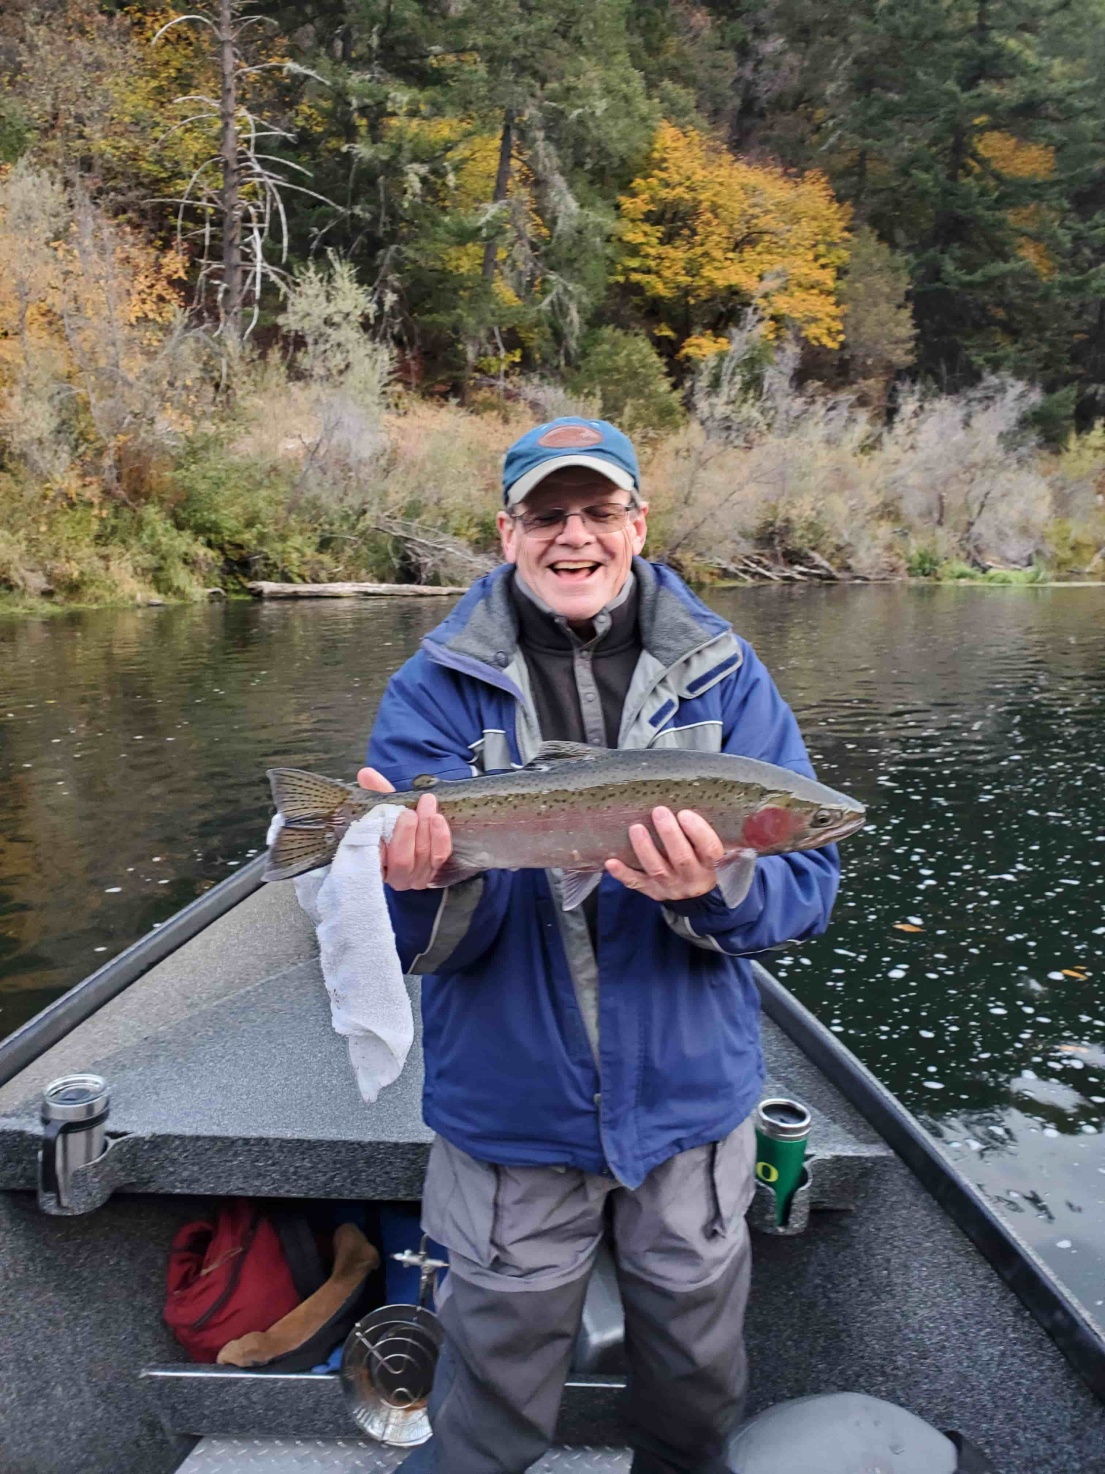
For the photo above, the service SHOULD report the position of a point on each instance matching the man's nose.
(576, 530)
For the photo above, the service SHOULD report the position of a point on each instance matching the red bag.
(226, 1279)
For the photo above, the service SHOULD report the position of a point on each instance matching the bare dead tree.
(232, 207)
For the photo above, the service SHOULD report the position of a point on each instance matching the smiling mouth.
(573, 570)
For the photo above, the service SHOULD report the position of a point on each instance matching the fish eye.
(821, 818)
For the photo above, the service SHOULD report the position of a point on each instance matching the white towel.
(360, 966)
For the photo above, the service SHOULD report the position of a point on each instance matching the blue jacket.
(539, 1047)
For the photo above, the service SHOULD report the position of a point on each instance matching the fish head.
(800, 818)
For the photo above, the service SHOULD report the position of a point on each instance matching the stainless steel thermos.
(74, 1117)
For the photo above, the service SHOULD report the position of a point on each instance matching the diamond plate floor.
(351, 1456)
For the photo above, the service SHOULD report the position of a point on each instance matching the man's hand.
(420, 842)
(686, 868)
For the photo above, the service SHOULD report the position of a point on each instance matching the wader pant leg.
(687, 1370)
(684, 1266)
(522, 1242)
(500, 1377)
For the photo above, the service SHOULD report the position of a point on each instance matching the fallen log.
(264, 590)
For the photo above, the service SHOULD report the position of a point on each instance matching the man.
(589, 1073)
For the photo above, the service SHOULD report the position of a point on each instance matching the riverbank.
(15, 606)
(309, 483)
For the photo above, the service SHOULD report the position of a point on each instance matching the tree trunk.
(502, 184)
(231, 305)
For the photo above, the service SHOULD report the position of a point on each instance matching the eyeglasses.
(549, 522)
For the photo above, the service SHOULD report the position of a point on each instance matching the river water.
(964, 963)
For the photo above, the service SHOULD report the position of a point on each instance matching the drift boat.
(214, 1037)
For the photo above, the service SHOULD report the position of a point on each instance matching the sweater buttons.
(501, 659)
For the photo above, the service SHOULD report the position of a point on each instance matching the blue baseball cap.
(569, 441)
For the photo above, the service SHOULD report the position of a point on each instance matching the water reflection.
(963, 965)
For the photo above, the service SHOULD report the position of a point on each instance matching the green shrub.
(955, 571)
(246, 513)
(924, 562)
(623, 371)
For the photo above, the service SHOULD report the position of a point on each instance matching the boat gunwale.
(74, 1007)
(1065, 1320)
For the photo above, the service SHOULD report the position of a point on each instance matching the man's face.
(580, 569)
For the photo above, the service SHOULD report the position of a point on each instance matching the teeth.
(572, 567)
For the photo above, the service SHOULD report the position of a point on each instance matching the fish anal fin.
(576, 886)
(301, 796)
(562, 752)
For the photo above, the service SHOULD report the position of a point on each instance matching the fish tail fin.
(300, 847)
(306, 798)
(309, 805)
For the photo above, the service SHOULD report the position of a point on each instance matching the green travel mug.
(782, 1128)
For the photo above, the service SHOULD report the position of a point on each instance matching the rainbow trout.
(570, 810)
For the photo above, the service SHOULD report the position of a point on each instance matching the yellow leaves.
(1029, 221)
(704, 234)
(1074, 972)
(906, 926)
(1013, 157)
(699, 345)
(454, 164)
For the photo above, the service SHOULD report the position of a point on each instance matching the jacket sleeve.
(791, 895)
(425, 724)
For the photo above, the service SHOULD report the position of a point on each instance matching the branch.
(177, 21)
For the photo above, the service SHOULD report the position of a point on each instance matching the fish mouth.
(849, 824)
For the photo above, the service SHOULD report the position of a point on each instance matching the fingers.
(705, 839)
(679, 863)
(441, 842)
(634, 880)
(370, 778)
(420, 844)
(649, 857)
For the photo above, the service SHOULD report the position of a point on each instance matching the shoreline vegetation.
(312, 478)
(274, 296)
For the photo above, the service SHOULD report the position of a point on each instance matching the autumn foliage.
(704, 235)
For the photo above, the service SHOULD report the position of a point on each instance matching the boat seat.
(352, 1456)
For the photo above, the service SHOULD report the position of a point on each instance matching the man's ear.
(508, 535)
(638, 528)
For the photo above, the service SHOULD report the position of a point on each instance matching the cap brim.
(536, 474)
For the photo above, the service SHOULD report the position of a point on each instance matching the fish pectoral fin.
(456, 868)
(562, 752)
(576, 886)
(735, 876)
(301, 796)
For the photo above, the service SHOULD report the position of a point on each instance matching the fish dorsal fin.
(562, 752)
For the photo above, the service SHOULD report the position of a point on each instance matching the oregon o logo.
(766, 1172)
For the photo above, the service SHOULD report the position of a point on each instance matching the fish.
(569, 810)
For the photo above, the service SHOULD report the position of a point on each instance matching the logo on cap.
(570, 437)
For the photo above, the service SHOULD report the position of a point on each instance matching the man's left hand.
(687, 865)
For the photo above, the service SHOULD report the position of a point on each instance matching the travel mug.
(74, 1116)
(782, 1128)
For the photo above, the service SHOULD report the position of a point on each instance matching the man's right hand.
(420, 842)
